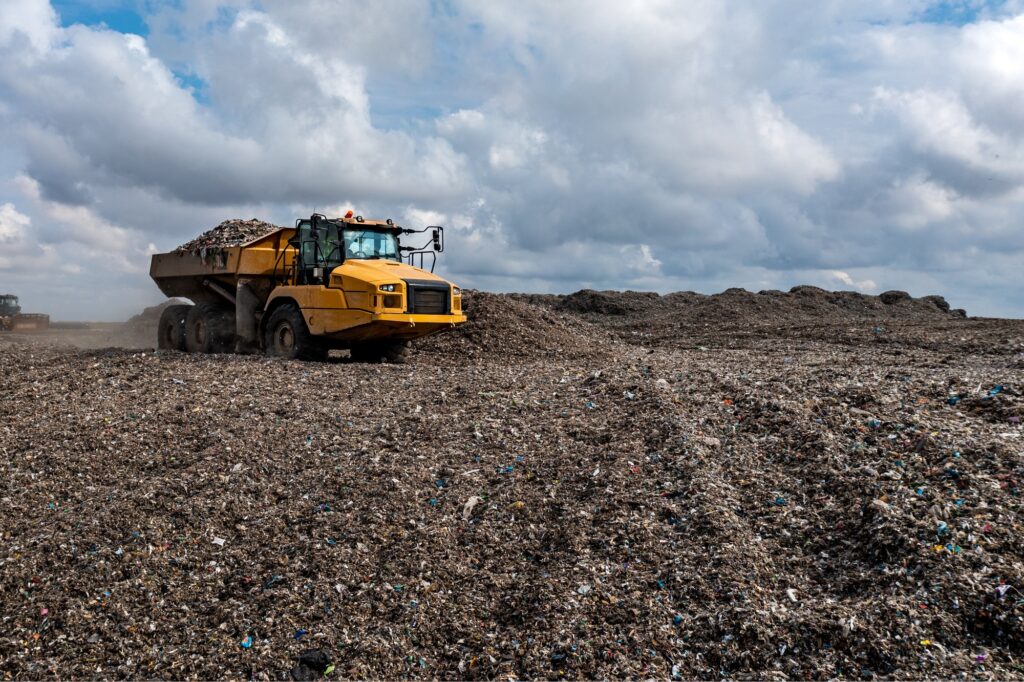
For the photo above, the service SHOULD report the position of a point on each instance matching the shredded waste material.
(593, 486)
(234, 232)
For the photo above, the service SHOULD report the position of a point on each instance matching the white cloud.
(915, 203)
(79, 229)
(941, 124)
(30, 20)
(648, 143)
(866, 285)
(13, 224)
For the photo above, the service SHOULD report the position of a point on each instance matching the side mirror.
(437, 240)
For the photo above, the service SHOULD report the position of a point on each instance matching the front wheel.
(287, 336)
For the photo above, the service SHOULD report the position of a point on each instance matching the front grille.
(428, 299)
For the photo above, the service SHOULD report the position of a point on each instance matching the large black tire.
(209, 328)
(170, 333)
(287, 336)
(394, 352)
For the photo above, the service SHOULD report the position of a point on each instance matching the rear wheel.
(394, 352)
(171, 329)
(287, 336)
(209, 328)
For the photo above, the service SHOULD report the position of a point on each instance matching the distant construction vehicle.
(13, 320)
(342, 283)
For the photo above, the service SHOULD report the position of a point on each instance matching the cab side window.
(307, 248)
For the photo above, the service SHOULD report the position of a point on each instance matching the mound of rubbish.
(234, 232)
(501, 325)
(608, 302)
(140, 330)
(801, 302)
(737, 317)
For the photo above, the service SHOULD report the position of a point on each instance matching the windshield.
(370, 244)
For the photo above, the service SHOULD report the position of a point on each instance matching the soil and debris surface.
(234, 232)
(801, 485)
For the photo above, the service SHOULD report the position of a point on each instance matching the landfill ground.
(604, 485)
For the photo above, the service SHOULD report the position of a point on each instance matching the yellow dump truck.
(341, 283)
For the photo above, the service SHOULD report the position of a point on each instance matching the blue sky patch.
(199, 87)
(960, 12)
(123, 16)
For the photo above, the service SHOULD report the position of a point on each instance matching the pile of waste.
(229, 233)
(140, 330)
(800, 303)
(501, 326)
(819, 505)
(737, 317)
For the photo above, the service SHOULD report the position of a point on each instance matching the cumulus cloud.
(13, 224)
(646, 144)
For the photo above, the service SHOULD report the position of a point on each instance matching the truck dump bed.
(187, 274)
(30, 322)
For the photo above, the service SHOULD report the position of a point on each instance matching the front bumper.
(355, 326)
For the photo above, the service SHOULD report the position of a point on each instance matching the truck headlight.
(388, 287)
(456, 291)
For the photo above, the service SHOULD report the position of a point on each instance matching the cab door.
(319, 251)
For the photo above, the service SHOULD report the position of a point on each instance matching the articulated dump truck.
(343, 283)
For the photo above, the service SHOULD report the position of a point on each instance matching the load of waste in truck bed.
(234, 232)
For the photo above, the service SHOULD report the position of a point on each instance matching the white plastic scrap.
(471, 503)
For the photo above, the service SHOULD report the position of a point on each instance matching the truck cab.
(356, 283)
(9, 305)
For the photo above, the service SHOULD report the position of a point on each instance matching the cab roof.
(360, 222)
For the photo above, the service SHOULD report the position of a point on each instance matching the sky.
(630, 144)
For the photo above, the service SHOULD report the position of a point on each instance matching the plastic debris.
(467, 509)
